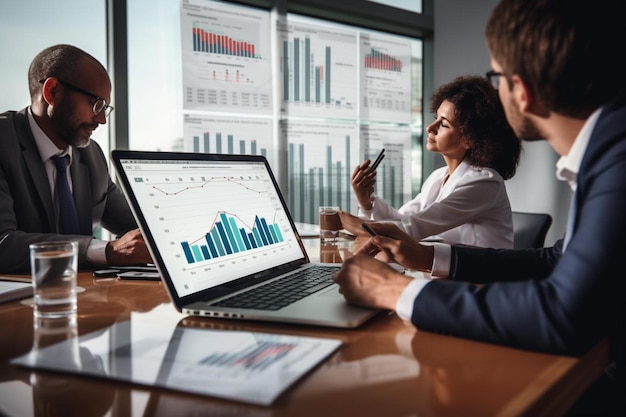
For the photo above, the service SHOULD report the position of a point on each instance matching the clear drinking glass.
(54, 266)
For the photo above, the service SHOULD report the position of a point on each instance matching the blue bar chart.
(318, 69)
(229, 236)
(228, 146)
(322, 177)
(393, 175)
(214, 221)
(229, 135)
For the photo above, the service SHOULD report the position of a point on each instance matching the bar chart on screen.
(205, 217)
(229, 235)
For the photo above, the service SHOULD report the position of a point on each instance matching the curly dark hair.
(481, 120)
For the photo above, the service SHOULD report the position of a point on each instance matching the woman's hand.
(363, 182)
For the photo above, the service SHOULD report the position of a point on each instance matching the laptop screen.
(211, 219)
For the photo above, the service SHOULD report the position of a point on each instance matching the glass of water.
(54, 266)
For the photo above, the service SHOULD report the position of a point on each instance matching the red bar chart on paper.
(226, 57)
(219, 43)
(379, 60)
(254, 358)
(385, 78)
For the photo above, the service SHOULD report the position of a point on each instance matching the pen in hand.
(380, 157)
(372, 233)
(368, 229)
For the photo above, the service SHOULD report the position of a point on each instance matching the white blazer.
(471, 208)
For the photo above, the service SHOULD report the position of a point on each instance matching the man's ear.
(50, 90)
(525, 98)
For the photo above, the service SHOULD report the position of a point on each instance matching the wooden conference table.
(384, 368)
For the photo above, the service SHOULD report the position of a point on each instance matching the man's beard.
(68, 131)
(74, 137)
(79, 142)
(522, 126)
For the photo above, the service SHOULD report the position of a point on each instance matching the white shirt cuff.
(404, 305)
(441, 260)
(440, 269)
(96, 252)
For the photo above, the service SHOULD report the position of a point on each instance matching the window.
(214, 76)
(29, 27)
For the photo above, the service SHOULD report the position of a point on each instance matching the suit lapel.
(33, 163)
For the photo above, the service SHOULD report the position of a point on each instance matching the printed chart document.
(243, 366)
(14, 290)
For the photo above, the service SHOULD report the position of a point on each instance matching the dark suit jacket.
(26, 207)
(545, 299)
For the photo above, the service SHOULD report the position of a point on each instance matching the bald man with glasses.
(54, 180)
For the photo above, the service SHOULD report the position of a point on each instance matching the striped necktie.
(68, 217)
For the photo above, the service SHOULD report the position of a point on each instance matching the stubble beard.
(522, 125)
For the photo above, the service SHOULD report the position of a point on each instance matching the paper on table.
(243, 366)
(12, 290)
(308, 229)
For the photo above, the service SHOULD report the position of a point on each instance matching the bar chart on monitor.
(208, 218)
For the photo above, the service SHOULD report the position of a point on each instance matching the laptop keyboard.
(280, 293)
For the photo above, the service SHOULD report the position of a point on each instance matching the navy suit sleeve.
(541, 299)
(482, 266)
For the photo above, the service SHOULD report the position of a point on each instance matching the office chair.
(530, 229)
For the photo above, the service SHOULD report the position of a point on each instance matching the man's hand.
(129, 249)
(394, 245)
(370, 283)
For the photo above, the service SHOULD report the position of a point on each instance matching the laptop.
(223, 240)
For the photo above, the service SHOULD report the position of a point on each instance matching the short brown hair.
(564, 50)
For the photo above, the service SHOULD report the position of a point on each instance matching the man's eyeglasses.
(99, 106)
(494, 78)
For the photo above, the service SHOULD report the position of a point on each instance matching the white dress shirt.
(567, 170)
(469, 207)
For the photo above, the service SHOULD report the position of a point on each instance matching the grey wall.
(460, 49)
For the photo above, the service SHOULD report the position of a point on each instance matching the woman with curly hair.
(466, 201)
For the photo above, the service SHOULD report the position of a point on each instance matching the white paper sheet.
(242, 366)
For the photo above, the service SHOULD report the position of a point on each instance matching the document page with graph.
(251, 367)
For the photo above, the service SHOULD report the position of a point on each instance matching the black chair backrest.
(530, 229)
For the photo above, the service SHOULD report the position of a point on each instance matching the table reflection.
(55, 395)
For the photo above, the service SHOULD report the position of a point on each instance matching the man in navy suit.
(559, 79)
(70, 94)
